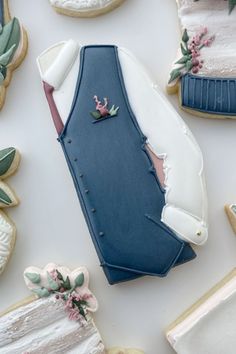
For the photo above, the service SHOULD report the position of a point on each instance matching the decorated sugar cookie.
(209, 325)
(13, 47)
(119, 350)
(204, 71)
(9, 162)
(57, 318)
(137, 168)
(231, 213)
(85, 8)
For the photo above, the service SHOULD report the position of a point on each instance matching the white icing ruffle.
(219, 58)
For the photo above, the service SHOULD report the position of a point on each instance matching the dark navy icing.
(209, 95)
(2, 12)
(114, 177)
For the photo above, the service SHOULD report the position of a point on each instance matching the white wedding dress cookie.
(85, 8)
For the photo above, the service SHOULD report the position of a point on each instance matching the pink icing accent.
(101, 108)
(53, 108)
(158, 164)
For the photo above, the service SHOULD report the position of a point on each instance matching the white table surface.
(49, 220)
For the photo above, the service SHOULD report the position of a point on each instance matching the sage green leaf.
(113, 111)
(232, 4)
(96, 115)
(189, 65)
(185, 37)
(1, 28)
(175, 74)
(35, 278)
(5, 58)
(52, 283)
(10, 35)
(59, 275)
(183, 60)
(41, 292)
(184, 50)
(79, 280)
(66, 284)
(6, 159)
(4, 198)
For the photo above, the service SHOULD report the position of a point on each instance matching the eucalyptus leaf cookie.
(13, 47)
(85, 8)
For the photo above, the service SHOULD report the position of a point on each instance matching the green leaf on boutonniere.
(113, 111)
(4, 198)
(33, 277)
(185, 37)
(79, 280)
(175, 74)
(183, 60)
(96, 115)
(6, 156)
(41, 292)
(52, 283)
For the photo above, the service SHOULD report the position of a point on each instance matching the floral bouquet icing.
(68, 287)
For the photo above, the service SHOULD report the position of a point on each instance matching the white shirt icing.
(210, 328)
(219, 58)
(82, 5)
(6, 241)
(185, 211)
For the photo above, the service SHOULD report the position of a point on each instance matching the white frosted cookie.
(9, 162)
(57, 319)
(7, 239)
(85, 8)
(13, 47)
(208, 327)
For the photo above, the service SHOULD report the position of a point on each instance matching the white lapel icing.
(185, 211)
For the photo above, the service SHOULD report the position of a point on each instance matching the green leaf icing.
(9, 41)
(52, 283)
(5, 58)
(96, 115)
(233, 208)
(185, 37)
(41, 292)
(33, 277)
(79, 280)
(113, 111)
(6, 159)
(66, 283)
(175, 74)
(4, 198)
